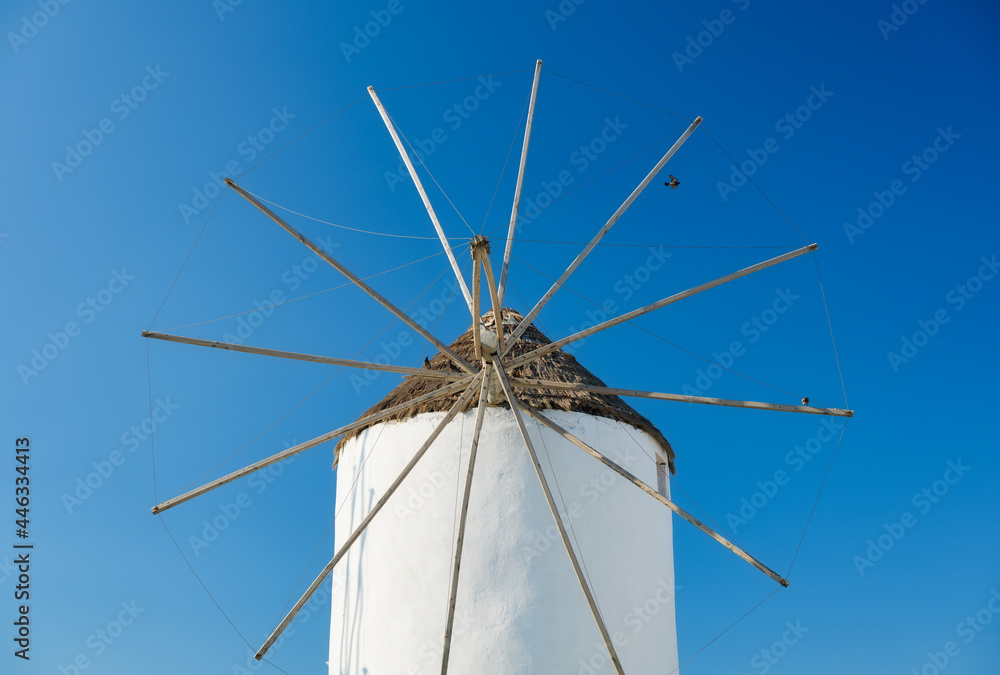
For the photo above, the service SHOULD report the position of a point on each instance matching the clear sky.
(870, 126)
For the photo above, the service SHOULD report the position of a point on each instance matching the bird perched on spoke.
(427, 362)
(805, 401)
(672, 183)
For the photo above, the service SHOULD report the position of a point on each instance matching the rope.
(319, 547)
(152, 443)
(420, 159)
(455, 512)
(342, 227)
(689, 119)
(674, 483)
(278, 304)
(327, 533)
(295, 140)
(212, 597)
(583, 243)
(752, 182)
(520, 297)
(460, 79)
(829, 324)
(748, 613)
(580, 187)
(569, 521)
(662, 339)
(505, 162)
(818, 495)
(545, 450)
(186, 258)
(437, 321)
(314, 392)
(842, 431)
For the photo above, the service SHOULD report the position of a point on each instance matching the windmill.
(529, 405)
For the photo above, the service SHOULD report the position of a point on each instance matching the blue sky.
(870, 126)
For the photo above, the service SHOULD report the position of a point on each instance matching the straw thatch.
(555, 366)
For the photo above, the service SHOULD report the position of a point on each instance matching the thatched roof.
(555, 366)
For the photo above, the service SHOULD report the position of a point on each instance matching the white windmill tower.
(458, 552)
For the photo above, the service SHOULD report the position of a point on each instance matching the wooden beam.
(347, 363)
(520, 182)
(558, 344)
(656, 495)
(423, 196)
(455, 409)
(459, 542)
(497, 307)
(515, 408)
(684, 398)
(294, 450)
(477, 322)
(442, 347)
(521, 327)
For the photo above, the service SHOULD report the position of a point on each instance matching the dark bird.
(805, 401)
(672, 183)
(427, 362)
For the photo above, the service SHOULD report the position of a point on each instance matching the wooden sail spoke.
(294, 450)
(515, 407)
(442, 347)
(494, 298)
(577, 386)
(455, 409)
(520, 182)
(656, 495)
(423, 196)
(477, 322)
(460, 541)
(347, 363)
(558, 344)
(521, 327)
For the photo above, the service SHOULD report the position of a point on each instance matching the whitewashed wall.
(520, 608)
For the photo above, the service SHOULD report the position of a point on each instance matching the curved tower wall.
(520, 608)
